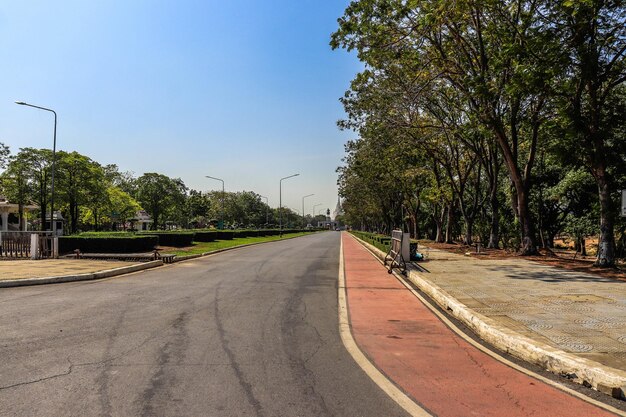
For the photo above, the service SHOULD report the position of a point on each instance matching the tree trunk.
(583, 247)
(528, 233)
(439, 237)
(469, 226)
(449, 223)
(44, 211)
(606, 244)
(519, 200)
(494, 230)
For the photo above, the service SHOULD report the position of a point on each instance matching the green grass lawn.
(202, 247)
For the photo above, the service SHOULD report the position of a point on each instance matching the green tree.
(198, 207)
(32, 172)
(492, 55)
(117, 207)
(18, 185)
(162, 197)
(593, 38)
(81, 185)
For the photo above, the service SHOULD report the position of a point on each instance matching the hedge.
(206, 236)
(176, 239)
(382, 242)
(110, 244)
(225, 234)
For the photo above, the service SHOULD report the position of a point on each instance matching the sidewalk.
(15, 273)
(581, 314)
(21, 269)
(438, 369)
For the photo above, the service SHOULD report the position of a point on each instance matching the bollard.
(55, 247)
(34, 246)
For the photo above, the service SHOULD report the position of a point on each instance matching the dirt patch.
(565, 259)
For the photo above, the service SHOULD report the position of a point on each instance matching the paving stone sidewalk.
(579, 313)
(18, 269)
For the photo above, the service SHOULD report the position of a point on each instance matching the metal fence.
(18, 245)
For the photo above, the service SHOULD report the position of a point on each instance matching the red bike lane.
(438, 369)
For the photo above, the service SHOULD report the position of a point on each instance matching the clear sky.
(242, 90)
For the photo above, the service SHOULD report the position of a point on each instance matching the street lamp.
(280, 202)
(313, 214)
(53, 224)
(303, 219)
(221, 227)
(267, 208)
(319, 204)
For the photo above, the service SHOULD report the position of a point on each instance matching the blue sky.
(242, 90)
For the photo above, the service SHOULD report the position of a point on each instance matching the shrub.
(206, 236)
(176, 239)
(382, 242)
(225, 235)
(126, 243)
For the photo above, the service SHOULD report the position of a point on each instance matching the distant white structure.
(7, 208)
(338, 209)
(142, 220)
(328, 223)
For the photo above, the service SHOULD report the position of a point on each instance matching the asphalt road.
(252, 332)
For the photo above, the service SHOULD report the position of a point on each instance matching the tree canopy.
(470, 114)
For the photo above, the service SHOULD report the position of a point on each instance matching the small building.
(9, 215)
(142, 221)
(59, 220)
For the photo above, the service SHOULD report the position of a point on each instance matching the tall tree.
(17, 185)
(162, 197)
(35, 165)
(493, 54)
(81, 184)
(593, 36)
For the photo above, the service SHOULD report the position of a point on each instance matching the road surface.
(252, 332)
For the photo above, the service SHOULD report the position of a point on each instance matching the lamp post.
(313, 214)
(267, 208)
(222, 213)
(280, 202)
(303, 219)
(53, 224)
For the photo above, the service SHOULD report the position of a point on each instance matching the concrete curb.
(80, 277)
(605, 379)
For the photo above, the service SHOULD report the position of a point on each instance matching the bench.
(131, 257)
